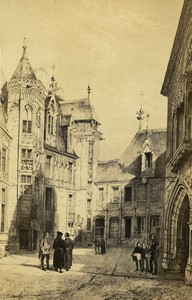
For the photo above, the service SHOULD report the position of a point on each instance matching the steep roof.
(80, 109)
(24, 69)
(128, 166)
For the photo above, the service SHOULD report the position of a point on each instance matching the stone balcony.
(180, 156)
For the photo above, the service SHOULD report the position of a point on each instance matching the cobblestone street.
(111, 276)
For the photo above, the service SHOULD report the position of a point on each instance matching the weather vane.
(140, 113)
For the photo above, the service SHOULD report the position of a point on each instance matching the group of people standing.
(99, 243)
(63, 248)
(146, 256)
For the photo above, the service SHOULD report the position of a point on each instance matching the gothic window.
(88, 224)
(128, 193)
(26, 153)
(27, 119)
(140, 225)
(49, 198)
(114, 228)
(148, 160)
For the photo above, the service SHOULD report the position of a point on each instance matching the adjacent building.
(177, 87)
(129, 191)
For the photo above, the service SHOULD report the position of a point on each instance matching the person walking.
(136, 255)
(103, 247)
(44, 248)
(60, 248)
(68, 255)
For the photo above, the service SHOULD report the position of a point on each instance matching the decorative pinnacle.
(147, 128)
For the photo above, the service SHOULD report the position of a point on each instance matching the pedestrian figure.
(103, 247)
(97, 244)
(136, 255)
(68, 255)
(145, 258)
(58, 256)
(44, 248)
(154, 254)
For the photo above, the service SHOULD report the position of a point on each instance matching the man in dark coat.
(60, 248)
(154, 254)
(103, 247)
(136, 255)
(44, 247)
(68, 255)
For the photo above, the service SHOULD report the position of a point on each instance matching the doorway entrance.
(182, 243)
(127, 228)
(99, 227)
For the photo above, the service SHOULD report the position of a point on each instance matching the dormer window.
(148, 160)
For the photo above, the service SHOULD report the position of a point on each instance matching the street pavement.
(94, 277)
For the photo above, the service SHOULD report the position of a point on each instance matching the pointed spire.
(24, 69)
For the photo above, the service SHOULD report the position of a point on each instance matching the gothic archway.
(177, 224)
(182, 245)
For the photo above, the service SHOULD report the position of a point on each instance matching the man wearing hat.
(44, 247)
(60, 248)
(68, 253)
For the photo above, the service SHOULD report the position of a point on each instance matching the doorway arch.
(182, 244)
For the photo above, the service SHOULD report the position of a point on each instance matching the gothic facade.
(177, 87)
(49, 152)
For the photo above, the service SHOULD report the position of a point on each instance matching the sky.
(119, 47)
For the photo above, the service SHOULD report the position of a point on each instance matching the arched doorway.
(182, 243)
(99, 226)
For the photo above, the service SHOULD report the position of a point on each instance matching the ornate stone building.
(51, 161)
(177, 87)
(129, 191)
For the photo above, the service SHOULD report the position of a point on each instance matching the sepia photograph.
(96, 149)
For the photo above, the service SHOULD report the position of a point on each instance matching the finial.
(140, 113)
(88, 90)
(24, 43)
